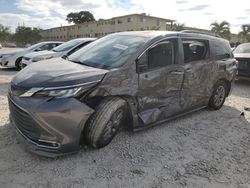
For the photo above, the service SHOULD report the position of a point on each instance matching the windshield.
(242, 48)
(67, 45)
(108, 52)
(35, 46)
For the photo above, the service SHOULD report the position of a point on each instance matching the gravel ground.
(203, 149)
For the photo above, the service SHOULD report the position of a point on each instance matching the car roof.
(83, 39)
(44, 42)
(153, 34)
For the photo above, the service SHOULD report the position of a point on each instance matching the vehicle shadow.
(7, 71)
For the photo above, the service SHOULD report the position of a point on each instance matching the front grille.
(244, 66)
(24, 122)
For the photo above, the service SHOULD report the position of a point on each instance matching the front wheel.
(105, 122)
(19, 63)
(218, 96)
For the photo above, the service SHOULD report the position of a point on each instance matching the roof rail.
(200, 32)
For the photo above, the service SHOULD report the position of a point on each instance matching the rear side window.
(161, 55)
(221, 49)
(194, 50)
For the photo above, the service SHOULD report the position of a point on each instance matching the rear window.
(221, 49)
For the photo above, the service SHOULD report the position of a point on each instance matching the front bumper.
(49, 127)
(4, 62)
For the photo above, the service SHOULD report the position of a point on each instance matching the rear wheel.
(218, 96)
(105, 122)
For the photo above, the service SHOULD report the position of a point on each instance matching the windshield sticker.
(120, 46)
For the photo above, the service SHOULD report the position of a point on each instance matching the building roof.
(143, 14)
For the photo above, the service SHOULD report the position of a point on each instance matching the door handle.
(188, 69)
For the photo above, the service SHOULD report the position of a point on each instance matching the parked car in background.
(135, 79)
(1, 46)
(242, 54)
(63, 50)
(14, 58)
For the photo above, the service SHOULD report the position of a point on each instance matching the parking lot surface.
(203, 149)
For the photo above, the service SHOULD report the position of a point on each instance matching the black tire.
(103, 125)
(218, 96)
(18, 63)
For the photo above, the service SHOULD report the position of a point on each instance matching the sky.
(194, 13)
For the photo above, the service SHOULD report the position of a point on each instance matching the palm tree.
(222, 29)
(245, 33)
(178, 27)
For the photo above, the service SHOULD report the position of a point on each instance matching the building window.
(112, 22)
(130, 19)
(158, 23)
(142, 19)
(119, 21)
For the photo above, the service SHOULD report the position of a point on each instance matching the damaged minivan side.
(135, 79)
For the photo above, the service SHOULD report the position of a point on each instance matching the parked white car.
(0, 45)
(63, 50)
(14, 58)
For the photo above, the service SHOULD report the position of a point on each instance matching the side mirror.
(142, 63)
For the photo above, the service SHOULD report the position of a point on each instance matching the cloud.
(181, 2)
(76, 4)
(198, 7)
(242, 17)
(13, 20)
(208, 13)
(123, 4)
(60, 7)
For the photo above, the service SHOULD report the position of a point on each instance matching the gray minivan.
(133, 79)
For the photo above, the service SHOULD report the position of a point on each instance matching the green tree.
(80, 17)
(222, 29)
(245, 33)
(178, 27)
(26, 35)
(5, 34)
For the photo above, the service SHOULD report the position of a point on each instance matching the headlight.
(50, 92)
(35, 59)
(6, 55)
(58, 93)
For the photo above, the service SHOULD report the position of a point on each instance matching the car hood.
(56, 72)
(12, 51)
(242, 55)
(45, 53)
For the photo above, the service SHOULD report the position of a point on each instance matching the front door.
(160, 81)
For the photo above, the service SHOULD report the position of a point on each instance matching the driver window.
(161, 55)
(44, 47)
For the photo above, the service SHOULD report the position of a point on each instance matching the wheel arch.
(131, 107)
(17, 60)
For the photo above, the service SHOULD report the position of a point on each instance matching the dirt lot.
(204, 149)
